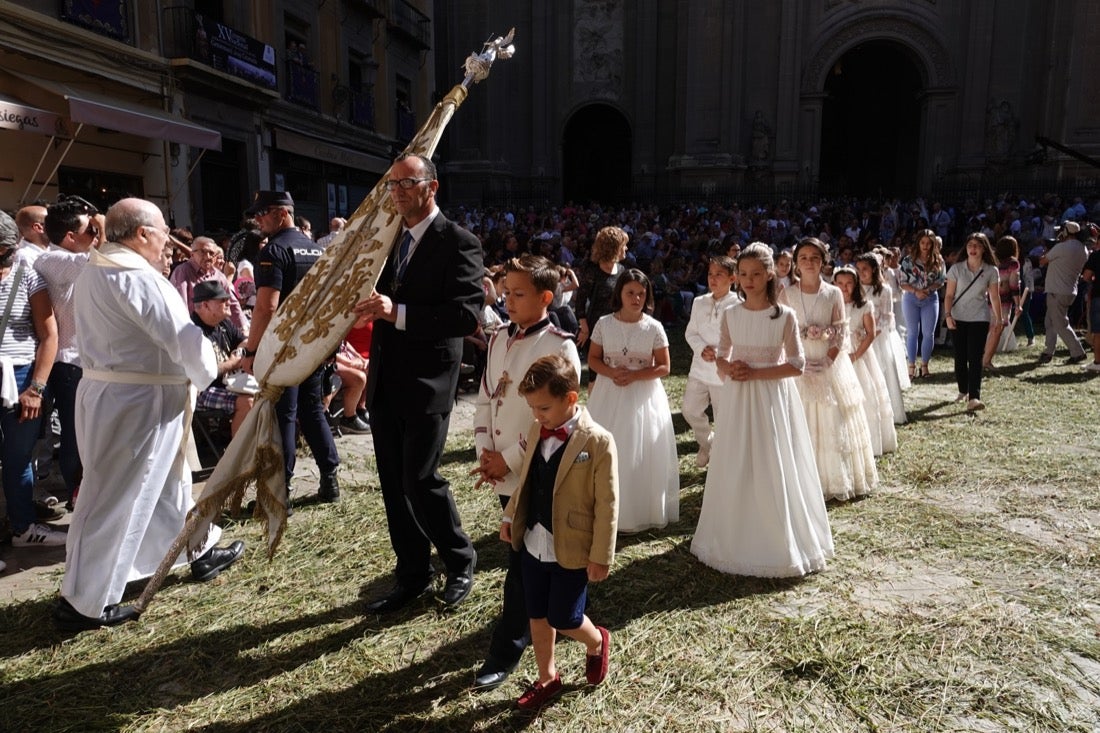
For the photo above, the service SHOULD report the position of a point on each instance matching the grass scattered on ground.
(963, 597)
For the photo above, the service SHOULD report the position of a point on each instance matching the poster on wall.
(233, 52)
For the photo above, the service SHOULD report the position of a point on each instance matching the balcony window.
(362, 71)
(413, 24)
(303, 85)
(111, 18)
(362, 108)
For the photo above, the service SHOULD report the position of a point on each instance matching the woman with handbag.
(28, 345)
(972, 306)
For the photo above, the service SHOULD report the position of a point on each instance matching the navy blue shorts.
(553, 592)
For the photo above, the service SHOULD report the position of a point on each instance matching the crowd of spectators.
(673, 243)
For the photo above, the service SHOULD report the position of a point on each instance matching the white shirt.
(418, 234)
(538, 540)
(28, 252)
(59, 268)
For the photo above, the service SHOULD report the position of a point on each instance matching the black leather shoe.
(215, 560)
(459, 584)
(492, 675)
(329, 490)
(398, 597)
(67, 618)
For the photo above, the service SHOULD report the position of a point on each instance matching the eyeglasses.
(405, 183)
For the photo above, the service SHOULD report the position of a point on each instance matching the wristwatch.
(248, 352)
(37, 387)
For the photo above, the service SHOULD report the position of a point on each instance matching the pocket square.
(582, 457)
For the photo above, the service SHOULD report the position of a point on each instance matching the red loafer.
(539, 694)
(595, 665)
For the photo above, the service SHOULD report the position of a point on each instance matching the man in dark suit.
(428, 298)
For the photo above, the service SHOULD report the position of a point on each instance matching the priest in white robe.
(141, 353)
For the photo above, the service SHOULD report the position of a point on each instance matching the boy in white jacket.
(501, 424)
(703, 384)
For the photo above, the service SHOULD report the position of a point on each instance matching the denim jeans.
(17, 446)
(921, 317)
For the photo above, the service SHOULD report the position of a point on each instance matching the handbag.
(976, 278)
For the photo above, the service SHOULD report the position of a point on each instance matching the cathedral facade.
(620, 99)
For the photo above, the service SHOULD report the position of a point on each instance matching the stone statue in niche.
(761, 139)
(1001, 127)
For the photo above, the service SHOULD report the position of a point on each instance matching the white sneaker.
(962, 397)
(39, 535)
(1092, 367)
(3, 566)
(975, 405)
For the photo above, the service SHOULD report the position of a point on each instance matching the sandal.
(912, 371)
(924, 371)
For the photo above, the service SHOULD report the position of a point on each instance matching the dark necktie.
(403, 254)
(560, 433)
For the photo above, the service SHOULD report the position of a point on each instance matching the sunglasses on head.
(79, 205)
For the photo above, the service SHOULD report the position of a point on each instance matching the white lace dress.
(763, 510)
(889, 349)
(639, 417)
(876, 398)
(831, 395)
(890, 276)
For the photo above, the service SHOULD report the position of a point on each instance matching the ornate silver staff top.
(477, 65)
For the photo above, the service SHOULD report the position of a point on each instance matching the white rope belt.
(133, 377)
(152, 379)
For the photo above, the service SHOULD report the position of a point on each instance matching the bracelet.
(248, 352)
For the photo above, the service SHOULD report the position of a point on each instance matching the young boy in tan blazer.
(562, 516)
(501, 424)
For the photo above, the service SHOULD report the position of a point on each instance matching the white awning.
(14, 115)
(102, 111)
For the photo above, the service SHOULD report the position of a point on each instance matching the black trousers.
(969, 345)
(420, 510)
(303, 406)
(512, 634)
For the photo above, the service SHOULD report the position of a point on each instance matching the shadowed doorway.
(596, 156)
(870, 125)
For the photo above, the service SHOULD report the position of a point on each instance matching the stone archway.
(904, 42)
(870, 122)
(596, 155)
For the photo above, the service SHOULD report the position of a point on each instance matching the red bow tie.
(560, 433)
